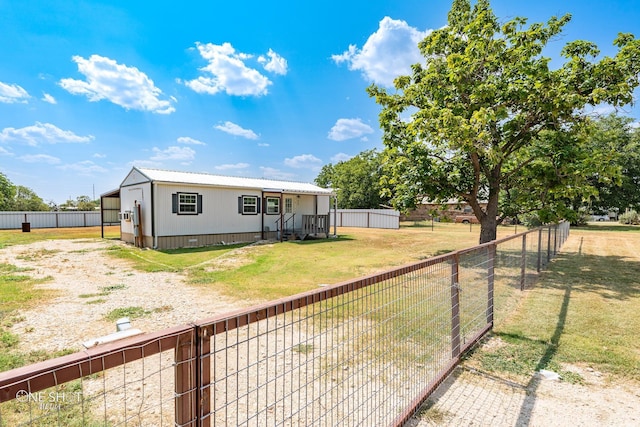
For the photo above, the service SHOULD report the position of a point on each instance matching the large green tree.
(485, 102)
(26, 199)
(7, 192)
(357, 181)
(560, 173)
(617, 133)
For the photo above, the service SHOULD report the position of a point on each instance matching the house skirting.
(174, 242)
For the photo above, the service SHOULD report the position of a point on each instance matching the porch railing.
(315, 224)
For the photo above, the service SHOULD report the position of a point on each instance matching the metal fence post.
(549, 245)
(203, 376)
(455, 307)
(185, 380)
(523, 262)
(539, 266)
(491, 254)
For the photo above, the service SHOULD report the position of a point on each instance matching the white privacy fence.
(367, 218)
(45, 219)
(364, 218)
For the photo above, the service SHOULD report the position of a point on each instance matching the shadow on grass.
(524, 417)
(315, 241)
(571, 273)
(611, 227)
(612, 277)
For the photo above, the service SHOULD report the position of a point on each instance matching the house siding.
(219, 212)
(172, 242)
(129, 196)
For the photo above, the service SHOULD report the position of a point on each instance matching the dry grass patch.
(585, 310)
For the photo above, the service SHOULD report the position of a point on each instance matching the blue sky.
(261, 89)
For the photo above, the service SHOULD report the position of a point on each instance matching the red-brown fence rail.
(364, 352)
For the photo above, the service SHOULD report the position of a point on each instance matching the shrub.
(580, 219)
(531, 220)
(629, 217)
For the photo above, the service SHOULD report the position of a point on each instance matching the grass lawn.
(584, 311)
(275, 271)
(17, 237)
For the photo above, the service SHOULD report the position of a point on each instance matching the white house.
(163, 209)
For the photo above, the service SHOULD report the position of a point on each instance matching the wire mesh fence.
(117, 384)
(363, 352)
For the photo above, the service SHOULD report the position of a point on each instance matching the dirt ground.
(473, 398)
(78, 268)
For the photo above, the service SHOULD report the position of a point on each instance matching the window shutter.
(199, 203)
(174, 203)
(258, 207)
(240, 204)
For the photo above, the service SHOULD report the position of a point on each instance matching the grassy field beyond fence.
(583, 312)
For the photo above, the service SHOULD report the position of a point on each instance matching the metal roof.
(167, 176)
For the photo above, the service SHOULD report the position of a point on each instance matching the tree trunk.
(488, 226)
(489, 221)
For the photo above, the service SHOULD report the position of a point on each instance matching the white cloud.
(232, 166)
(275, 64)
(40, 158)
(303, 161)
(10, 94)
(86, 167)
(99, 155)
(348, 129)
(228, 72)
(48, 98)
(174, 153)
(234, 129)
(387, 53)
(262, 144)
(42, 133)
(5, 152)
(125, 86)
(272, 173)
(189, 141)
(341, 157)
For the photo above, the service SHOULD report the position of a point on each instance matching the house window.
(186, 203)
(249, 205)
(273, 205)
(288, 205)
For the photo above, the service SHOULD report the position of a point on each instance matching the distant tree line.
(604, 177)
(356, 181)
(20, 198)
